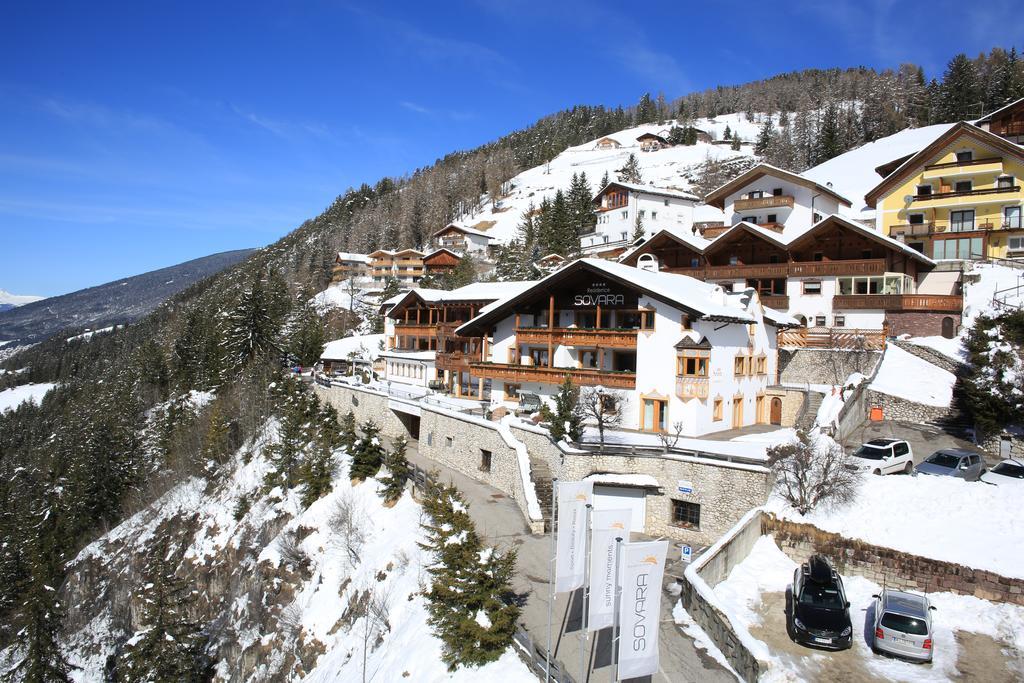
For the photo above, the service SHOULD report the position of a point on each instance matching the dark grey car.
(953, 462)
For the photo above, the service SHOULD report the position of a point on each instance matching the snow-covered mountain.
(670, 168)
(9, 301)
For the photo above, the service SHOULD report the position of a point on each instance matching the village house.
(1006, 122)
(607, 143)
(650, 142)
(440, 261)
(462, 240)
(405, 265)
(681, 351)
(422, 348)
(959, 198)
(550, 263)
(619, 206)
(349, 266)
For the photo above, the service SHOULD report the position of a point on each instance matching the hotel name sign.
(599, 294)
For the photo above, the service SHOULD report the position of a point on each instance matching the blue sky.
(138, 135)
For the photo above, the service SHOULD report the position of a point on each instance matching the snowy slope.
(853, 173)
(12, 398)
(286, 582)
(665, 169)
(8, 300)
(906, 376)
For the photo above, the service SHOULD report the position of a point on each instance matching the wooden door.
(776, 416)
(737, 413)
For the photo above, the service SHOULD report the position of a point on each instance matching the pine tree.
(630, 173)
(728, 133)
(216, 442)
(581, 208)
(294, 433)
(368, 454)
(316, 474)
(638, 229)
(566, 420)
(252, 326)
(829, 137)
(764, 137)
(306, 341)
(398, 471)
(960, 94)
(736, 144)
(169, 648)
(605, 179)
(348, 435)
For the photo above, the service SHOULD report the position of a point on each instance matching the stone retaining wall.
(365, 404)
(930, 355)
(824, 366)
(886, 566)
(894, 408)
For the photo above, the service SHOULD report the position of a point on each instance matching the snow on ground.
(853, 173)
(969, 523)
(88, 334)
(701, 640)
(904, 375)
(389, 564)
(12, 398)
(363, 345)
(768, 570)
(835, 399)
(953, 348)
(18, 299)
(752, 446)
(665, 168)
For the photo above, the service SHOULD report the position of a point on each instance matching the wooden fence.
(833, 338)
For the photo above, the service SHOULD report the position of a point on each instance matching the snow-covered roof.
(703, 299)
(717, 197)
(339, 349)
(999, 112)
(348, 256)
(410, 355)
(675, 233)
(393, 252)
(648, 189)
(462, 229)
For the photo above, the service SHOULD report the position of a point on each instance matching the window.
(816, 217)
(965, 156)
(1016, 244)
(512, 392)
(961, 221)
(916, 246)
(819, 321)
(646, 320)
(772, 218)
(513, 356)
(739, 365)
(448, 442)
(755, 194)
(733, 260)
(777, 192)
(625, 215)
(901, 448)
(812, 287)
(839, 321)
(654, 215)
(692, 364)
(961, 249)
(685, 514)
(865, 253)
(685, 322)
(762, 365)
(641, 213)
(485, 460)
(915, 219)
(963, 186)
(716, 413)
(819, 256)
(749, 219)
(1011, 217)
(666, 202)
(924, 190)
(1005, 181)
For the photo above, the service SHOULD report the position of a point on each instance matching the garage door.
(622, 498)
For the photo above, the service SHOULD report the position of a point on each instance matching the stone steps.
(540, 473)
(810, 411)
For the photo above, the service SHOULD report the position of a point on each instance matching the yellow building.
(958, 198)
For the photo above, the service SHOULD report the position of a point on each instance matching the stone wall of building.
(824, 366)
(890, 567)
(792, 403)
(365, 404)
(894, 408)
(919, 323)
(1008, 444)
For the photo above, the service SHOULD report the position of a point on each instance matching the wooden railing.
(577, 336)
(763, 203)
(957, 164)
(788, 269)
(833, 338)
(900, 302)
(779, 302)
(966, 193)
(691, 387)
(453, 360)
(528, 373)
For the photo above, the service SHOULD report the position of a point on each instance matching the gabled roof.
(1002, 110)
(651, 136)
(701, 299)
(687, 343)
(462, 229)
(647, 189)
(607, 138)
(346, 256)
(907, 168)
(551, 256)
(476, 292)
(717, 197)
(438, 252)
(875, 235)
(744, 227)
(390, 252)
(691, 241)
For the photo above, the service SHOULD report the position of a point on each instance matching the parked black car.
(820, 614)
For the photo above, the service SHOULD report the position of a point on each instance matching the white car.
(884, 456)
(1006, 473)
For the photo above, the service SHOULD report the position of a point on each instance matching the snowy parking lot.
(974, 639)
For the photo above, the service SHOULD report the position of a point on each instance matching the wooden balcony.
(692, 387)
(832, 338)
(577, 336)
(780, 302)
(505, 372)
(763, 203)
(900, 302)
(966, 193)
(966, 164)
(454, 361)
(790, 269)
(415, 329)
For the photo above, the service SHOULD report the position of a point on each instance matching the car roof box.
(819, 569)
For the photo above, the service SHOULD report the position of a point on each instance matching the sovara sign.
(643, 568)
(596, 294)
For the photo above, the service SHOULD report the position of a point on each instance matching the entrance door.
(737, 413)
(776, 417)
(653, 417)
(622, 498)
(760, 410)
(948, 328)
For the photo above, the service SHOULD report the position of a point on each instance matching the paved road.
(499, 519)
(924, 439)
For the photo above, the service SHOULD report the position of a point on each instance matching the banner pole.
(585, 601)
(615, 613)
(551, 577)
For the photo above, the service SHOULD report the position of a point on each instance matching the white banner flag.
(641, 570)
(571, 540)
(606, 526)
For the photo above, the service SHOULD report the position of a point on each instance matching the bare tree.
(374, 609)
(603, 407)
(813, 471)
(670, 439)
(349, 522)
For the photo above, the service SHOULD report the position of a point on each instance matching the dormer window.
(964, 157)
(777, 192)
(755, 194)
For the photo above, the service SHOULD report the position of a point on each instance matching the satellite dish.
(908, 198)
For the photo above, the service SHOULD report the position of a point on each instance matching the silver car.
(953, 462)
(903, 625)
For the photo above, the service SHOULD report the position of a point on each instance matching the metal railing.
(644, 451)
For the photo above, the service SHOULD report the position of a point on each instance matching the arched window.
(948, 327)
